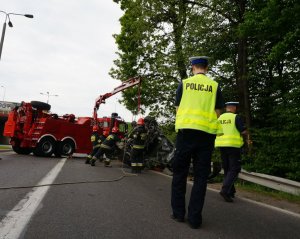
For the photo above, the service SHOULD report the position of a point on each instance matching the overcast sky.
(67, 49)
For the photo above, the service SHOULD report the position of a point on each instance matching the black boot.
(87, 161)
(93, 162)
(226, 197)
(107, 163)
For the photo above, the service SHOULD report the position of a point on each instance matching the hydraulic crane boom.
(101, 99)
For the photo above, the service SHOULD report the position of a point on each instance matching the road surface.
(104, 204)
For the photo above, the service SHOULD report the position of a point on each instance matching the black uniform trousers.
(137, 156)
(198, 146)
(94, 151)
(101, 151)
(137, 159)
(231, 163)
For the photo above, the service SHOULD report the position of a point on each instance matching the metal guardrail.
(276, 183)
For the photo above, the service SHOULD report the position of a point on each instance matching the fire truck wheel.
(40, 105)
(67, 147)
(45, 147)
(20, 150)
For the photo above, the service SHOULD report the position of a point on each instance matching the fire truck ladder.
(126, 84)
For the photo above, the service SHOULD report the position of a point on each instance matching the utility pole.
(10, 25)
(48, 95)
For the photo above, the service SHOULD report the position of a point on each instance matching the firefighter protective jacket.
(231, 137)
(197, 106)
(139, 136)
(96, 139)
(110, 141)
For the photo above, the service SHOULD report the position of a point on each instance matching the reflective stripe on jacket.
(104, 146)
(135, 146)
(197, 106)
(232, 137)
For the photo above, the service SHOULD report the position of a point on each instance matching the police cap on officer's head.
(232, 103)
(203, 60)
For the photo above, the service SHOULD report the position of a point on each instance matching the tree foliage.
(273, 29)
(254, 49)
(147, 49)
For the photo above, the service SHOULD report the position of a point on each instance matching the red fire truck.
(32, 128)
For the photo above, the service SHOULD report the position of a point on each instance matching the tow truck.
(32, 128)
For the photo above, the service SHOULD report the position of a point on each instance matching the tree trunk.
(242, 80)
(179, 21)
(242, 77)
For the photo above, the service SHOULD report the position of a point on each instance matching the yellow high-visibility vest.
(231, 137)
(197, 106)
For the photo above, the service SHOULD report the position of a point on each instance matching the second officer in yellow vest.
(230, 144)
(198, 101)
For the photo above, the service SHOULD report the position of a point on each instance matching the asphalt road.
(132, 207)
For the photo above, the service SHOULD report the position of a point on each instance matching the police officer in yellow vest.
(198, 102)
(230, 144)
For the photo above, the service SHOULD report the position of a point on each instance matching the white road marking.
(16, 220)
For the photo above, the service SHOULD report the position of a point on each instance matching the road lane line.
(16, 220)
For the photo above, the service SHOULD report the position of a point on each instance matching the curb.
(288, 212)
(5, 150)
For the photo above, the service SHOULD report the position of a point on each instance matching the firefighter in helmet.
(107, 147)
(139, 137)
(96, 140)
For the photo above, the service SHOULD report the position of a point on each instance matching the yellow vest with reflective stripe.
(231, 137)
(197, 106)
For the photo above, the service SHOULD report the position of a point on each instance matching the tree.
(254, 54)
(273, 29)
(157, 38)
(150, 45)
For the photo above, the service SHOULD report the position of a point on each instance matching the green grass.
(3, 147)
(252, 187)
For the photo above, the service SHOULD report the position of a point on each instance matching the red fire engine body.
(32, 128)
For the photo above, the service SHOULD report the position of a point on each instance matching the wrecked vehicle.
(159, 150)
